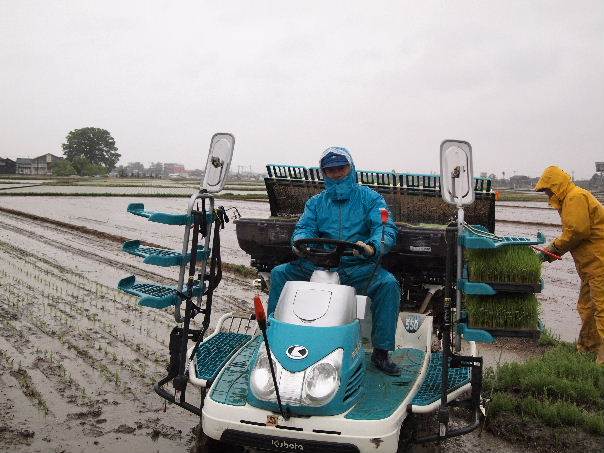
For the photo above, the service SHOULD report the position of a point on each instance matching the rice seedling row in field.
(59, 298)
(29, 389)
(560, 388)
(23, 379)
(54, 371)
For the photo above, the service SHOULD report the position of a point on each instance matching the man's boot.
(382, 362)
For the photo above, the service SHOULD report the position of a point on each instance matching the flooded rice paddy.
(79, 357)
(108, 214)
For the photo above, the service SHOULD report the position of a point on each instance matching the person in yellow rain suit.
(583, 236)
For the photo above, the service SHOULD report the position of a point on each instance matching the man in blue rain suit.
(349, 212)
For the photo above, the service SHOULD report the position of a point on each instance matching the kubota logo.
(283, 444)
(297, 352)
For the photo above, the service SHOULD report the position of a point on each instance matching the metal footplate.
(152, 294)
(214, 353)
(160, 257)
(159, 217)
(428, 396)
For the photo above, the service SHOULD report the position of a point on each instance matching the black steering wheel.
(326, 257)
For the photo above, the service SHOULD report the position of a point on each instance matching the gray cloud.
(522, 81)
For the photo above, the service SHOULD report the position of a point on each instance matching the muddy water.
(77, 357)
(96, 189)
(536, 212)
(109, 215)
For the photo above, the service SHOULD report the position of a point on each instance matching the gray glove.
(368, 249)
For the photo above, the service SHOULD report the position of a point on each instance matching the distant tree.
(93, 144)
(63, 168)
(84, 167)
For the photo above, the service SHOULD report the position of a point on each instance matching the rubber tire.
(205, 444)
(407, 434)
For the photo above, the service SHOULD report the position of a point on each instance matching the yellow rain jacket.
(583, 236)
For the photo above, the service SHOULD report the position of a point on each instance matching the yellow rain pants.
(583, 236)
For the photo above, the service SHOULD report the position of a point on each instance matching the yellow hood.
(556, 180)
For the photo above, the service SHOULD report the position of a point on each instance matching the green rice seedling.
(510, 264)
(561, 388)
(503, 311)
(551, 413)
(28, 388)
(560, 373)
(548, 338)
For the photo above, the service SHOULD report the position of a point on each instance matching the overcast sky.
(522, 81)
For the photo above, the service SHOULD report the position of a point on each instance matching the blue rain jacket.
(347, 211)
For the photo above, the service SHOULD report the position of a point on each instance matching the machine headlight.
(261, 381)
(321, 383)
(322, 380)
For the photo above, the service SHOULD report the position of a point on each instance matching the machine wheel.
(407, 434)
(205, 444)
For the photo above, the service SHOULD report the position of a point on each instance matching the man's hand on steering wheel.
(329, 251)
(368, 250)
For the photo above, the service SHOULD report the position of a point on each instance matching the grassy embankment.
(520, 196)
(562, 389)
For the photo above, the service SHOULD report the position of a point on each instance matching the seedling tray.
(159, 217)
(152, 294)
(513, 333)
(482, 288)
(160, 257)
(491, 288)
(471, 240)
(471, 334)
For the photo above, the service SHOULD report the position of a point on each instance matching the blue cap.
(334, 159)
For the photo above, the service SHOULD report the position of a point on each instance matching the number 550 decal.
(413, 322)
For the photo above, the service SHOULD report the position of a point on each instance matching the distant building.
(174, 169)
(23, 166)
(8, 166)
(155, 170)
(135, 169)
(197, 173)
(41, 165)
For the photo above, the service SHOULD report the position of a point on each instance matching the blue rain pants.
(384, 291)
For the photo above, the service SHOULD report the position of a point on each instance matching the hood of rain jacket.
(582, 218)
(347, 211)
(558, 181)
(340, 189)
